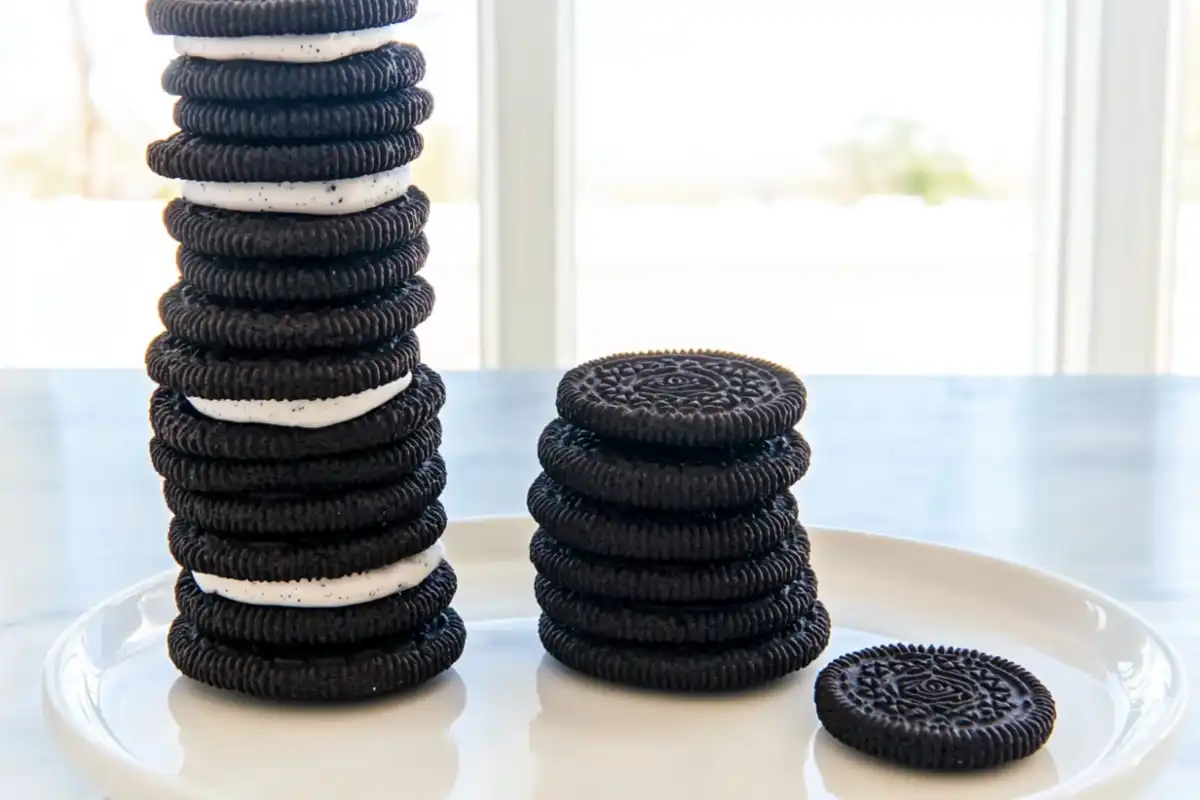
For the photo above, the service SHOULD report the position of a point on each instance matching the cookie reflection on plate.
(593, 741)
(400, 741)
(851, 775)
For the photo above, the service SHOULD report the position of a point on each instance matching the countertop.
(1094, 478)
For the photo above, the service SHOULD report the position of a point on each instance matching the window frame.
(1105, 210)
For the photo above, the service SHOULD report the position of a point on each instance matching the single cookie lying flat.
(934, 708)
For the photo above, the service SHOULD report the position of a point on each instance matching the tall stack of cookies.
(295, 426)
(669, 553)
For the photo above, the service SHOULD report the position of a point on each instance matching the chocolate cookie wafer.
(275, 282)
(325, 674)
(193, 317)
(354, 118)
(691, 668)
(671, 479)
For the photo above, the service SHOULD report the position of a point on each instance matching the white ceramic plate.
(508, 723)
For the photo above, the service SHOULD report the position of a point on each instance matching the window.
(789, 181)
(83, 253)
(959, 186)
(1185, 333)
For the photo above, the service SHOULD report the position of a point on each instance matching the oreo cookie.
(182, 428)
(225, 620)
(642, 535)
(200, 550)
(671, 479)
(325, 674)
(247, 375)
(271, 235)
(934, 708)
(360, 118)
(675, 624)
(246, 281)
(648, 582)
(379, 465)
(691, 668)
(279, 515)
(387, 69)
(695, 398)
(192, 317)
(229, 18)
(198, 158)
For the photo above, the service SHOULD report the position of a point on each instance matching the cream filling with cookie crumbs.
(348, 590)
(294, 49)
(320, 413)
(319, 198)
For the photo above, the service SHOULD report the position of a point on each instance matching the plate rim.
(91, 753)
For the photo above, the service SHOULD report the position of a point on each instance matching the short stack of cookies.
(669, 553)
(295, 426)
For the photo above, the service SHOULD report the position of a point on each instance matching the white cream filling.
(301, 413)
(325, 198)
(297, 49)
(348, 590)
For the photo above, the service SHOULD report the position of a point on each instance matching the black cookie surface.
(302, 280)
(277, 515)
(360, 118)
(934, 708)
(678, 624)
(222, 18)
(682, 398)
(691, 668)
(193, 317)
(244, 234)
(247, 375)
(224, 620)
(330, 674)
(197, 158)
(182, 428)
(647, 535)
(712, 582)
(200, 550)
(392, 67)
(671, 479)
(373, 467)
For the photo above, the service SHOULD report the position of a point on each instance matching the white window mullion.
(1113, 209)
(526, 190)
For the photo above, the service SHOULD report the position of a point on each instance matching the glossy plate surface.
(509, 723)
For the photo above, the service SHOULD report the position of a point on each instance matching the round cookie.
(230, 18)
(710, 582)
(192, 317)
(646, 535)
(224, 620)
(182, 428)
(379, 465)
(359, 118)
(671, 479)
(391, 67)
(695, 398)
(691, 668)
(248, 234)
(200, 550)
(934, 708)
(249, 281)
(197, 158)
(678, 624)
(233, 375)
(280, 515)
(330, 674)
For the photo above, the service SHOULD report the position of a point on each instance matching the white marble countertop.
(1093, 478)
